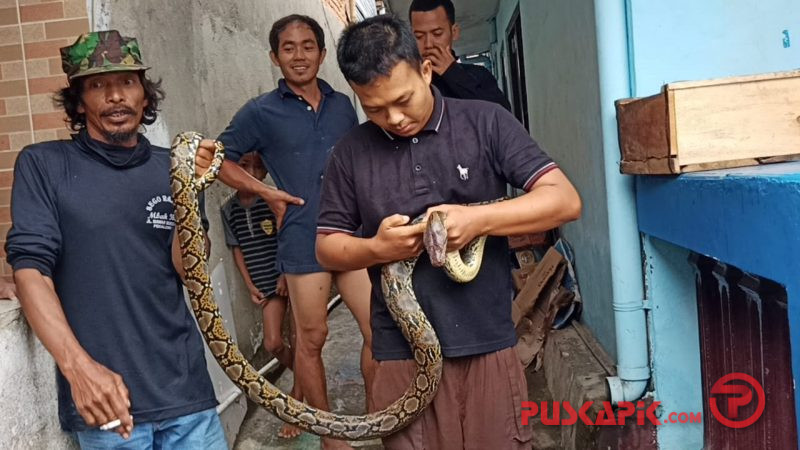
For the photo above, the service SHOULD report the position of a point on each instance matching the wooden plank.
(737, 121)
(719, 165)
(673, 132)
(652, 166)
(642, 125)
(732, 80)
(711, 124)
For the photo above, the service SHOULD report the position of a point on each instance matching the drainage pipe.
(615, 67)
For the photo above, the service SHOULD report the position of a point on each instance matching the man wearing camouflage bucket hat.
(94, 260)
(101, 52)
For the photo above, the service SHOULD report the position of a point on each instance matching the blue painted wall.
(693, 40)
(560, 53)
(674, 330)
(746, 217)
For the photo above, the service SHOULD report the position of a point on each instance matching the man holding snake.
(92, 250)
(422, 152)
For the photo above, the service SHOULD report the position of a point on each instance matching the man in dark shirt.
(435, 28)
(421, 152)
(94, 260)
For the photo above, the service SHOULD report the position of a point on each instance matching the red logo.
(738, 395)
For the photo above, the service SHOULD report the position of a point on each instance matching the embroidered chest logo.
(266, 225)
(161, 212)
(463, 172)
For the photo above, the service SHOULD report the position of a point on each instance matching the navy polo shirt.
(294, 142)
(468, 152)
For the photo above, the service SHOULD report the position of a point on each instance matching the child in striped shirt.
(252, 234)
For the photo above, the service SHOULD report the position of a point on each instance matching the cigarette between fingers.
(111, 425)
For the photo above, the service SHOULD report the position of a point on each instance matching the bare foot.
(334, 444)
(288, 431)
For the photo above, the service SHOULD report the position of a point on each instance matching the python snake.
(397, 289)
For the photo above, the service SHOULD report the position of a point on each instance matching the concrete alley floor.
(346, 393)
(345, 390)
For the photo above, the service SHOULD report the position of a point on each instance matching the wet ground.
(346, 391)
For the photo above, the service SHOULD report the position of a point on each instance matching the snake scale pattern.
(397, 289)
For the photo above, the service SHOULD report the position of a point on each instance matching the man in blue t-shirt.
(293, 128)
(95, 263)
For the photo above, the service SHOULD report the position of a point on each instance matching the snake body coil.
(397, 289)
(406, 312)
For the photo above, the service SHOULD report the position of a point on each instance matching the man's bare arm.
(394, 241)
(551, 202)
(237, 178)
(255, 294)
(99, 394)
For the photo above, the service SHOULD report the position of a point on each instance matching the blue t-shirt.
(99, 220)
(294, 142)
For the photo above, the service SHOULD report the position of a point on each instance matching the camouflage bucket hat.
(100, 52)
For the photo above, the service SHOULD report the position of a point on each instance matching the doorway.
(519, 95)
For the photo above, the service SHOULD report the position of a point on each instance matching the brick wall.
(31, 32)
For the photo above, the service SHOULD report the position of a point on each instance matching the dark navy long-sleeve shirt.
(98, 220)
(470, 82)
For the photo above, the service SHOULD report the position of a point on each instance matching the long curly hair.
(69, 98)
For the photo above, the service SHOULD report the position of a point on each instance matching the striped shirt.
(253, 230)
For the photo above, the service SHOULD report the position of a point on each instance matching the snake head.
(435, 238)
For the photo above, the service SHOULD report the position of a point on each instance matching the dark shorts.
(297, 237)
(478, 404)
(272, 297)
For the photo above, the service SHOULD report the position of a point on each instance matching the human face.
(433, 29)
(401, 103)
(251, 163)
(299, 56)
(113, 104)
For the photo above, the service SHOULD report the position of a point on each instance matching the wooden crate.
(713, 124)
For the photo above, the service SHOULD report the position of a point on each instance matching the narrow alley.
(346, 392)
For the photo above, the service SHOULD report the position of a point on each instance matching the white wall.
(28, 407)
